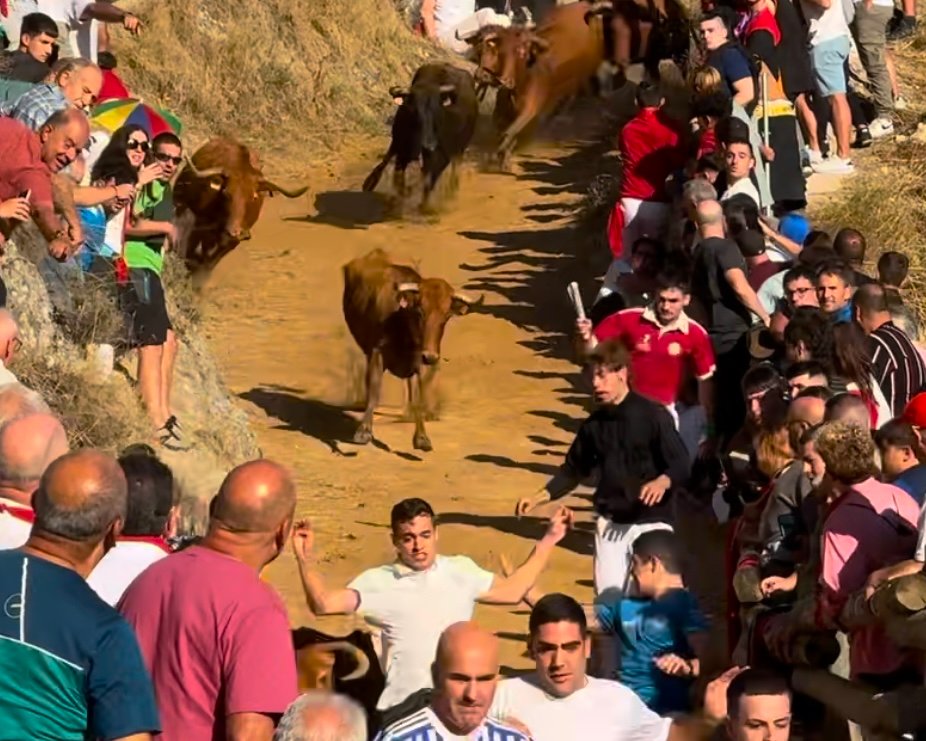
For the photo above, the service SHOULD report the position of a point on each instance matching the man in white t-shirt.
(28, 445)
(442, 18)
(740, 162)
(75, 18)
(415, 598)
(150, 520)
(560, 701)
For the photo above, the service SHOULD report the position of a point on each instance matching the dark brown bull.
(398, 319)
(347, 665)
(219, 194)
(537, 69)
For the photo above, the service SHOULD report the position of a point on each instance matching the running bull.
(435, 122)
(398, 319)
(219, 194)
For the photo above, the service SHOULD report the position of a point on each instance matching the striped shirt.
(424, 725)
(896, 365)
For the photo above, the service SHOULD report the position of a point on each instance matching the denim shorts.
(829, 65)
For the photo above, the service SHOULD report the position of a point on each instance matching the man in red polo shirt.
(651, 150)
(664, 343)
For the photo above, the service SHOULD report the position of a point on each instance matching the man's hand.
(653, 491)
(560, 524)
(526, 505)
(124, 191)
(17, 209)
(59, 248)
(303, 541)
(771, 584)
(131, 23)
(767, 153)
(674, 665)
(875, 580)
(584, 329)
(715, 696)
(149, 173)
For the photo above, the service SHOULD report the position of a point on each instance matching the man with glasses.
(151, 233)
(76, 83)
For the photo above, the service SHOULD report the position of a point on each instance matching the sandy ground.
(511, 395)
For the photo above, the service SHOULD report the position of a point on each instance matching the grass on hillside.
(292, 77)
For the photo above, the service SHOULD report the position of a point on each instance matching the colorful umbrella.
(114, 114)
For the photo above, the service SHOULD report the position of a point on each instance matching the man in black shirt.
(719, 285)
(29, 63)
(633, 443)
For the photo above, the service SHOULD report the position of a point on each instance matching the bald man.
(79, 672)
(16, 400)
(9, 344)
(719, 286)
(215, 637)
(465, 676)
(28, 444)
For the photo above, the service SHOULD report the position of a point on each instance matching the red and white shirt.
(660, 355)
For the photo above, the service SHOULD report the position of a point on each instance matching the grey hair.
(298, 722)
(70, 64)
(95, 514)
(17, 401)
(698, 190)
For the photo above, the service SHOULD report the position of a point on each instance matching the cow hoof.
(422, 442)
(363, 436)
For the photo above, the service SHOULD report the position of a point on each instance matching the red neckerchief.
(5, 9)
(155, 540)
(764, 20)
(26, 514)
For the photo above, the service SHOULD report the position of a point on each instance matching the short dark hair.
(805, 368)
(823, 393)
(649, 95)
(820, 238)
(838, 268)
(612, 354)
(850, 245)
(658, 246)
(709, 162)
(752, 682)
(798, 272)
(35, 24)
(120, 171)
(660, 544)
(897, 434)
(732, 130)
(557, 608)
(669, 279)
(815, 254)
(761, 377)
(741, 213)
(166, 137)
(407, 510)
(715, 104)
(106, 60)
(871, 299)
(810, 326)
(893, 268)
(751, 243)
(151, 493)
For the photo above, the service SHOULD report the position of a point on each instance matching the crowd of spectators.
(734, 353)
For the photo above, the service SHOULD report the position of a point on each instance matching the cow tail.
(372, 180)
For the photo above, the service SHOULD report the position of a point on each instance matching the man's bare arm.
(747, 296)
(321, 600)
(249, 727)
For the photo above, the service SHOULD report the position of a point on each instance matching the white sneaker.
(900, 103)
(835, 166)
(816, 157)
(881, 127)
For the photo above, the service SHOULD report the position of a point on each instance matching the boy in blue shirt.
(660, 630)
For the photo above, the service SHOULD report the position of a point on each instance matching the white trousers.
(613, 551)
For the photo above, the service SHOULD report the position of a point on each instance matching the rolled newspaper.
(576, 298)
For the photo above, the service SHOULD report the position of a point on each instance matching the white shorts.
(613, 550)
(642, 219)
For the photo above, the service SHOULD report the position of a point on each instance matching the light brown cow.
(398, 319)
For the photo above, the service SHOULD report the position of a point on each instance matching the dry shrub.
(886, 201)
(181, 295)
(95, 316)
(96, 413)
(292, 77)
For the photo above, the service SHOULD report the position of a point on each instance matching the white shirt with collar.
(603, 710)
(118, 568)
(15, 523)
(6, 376)
(413, 608)
(745, 187)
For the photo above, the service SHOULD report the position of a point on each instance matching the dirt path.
(511, 396)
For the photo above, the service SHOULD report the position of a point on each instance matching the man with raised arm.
(416, 597)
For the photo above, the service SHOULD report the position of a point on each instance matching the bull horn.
(360, 658)
(449, 88)
(469, 300)
(404, 287)
(272, 187)
(209, 172)
(397, 92)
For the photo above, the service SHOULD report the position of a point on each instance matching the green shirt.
(154, 202)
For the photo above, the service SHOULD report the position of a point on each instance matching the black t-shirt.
(631, 443)
(729, 319)
(18, 65)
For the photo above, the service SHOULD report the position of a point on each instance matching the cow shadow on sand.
(328, 423)
(348, 209)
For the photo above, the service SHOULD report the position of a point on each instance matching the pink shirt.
(216, 640)
(871, 527)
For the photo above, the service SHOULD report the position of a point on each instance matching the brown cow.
(397, 318)
(219, 195)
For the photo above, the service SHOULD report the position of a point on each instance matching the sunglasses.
(135, 144)
(16, 344)
(167, 158)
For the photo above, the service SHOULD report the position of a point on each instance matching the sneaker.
(881, 127)
(904, 29)
(835, 166)
(900, 103)
(815, 156)
(863, 138)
